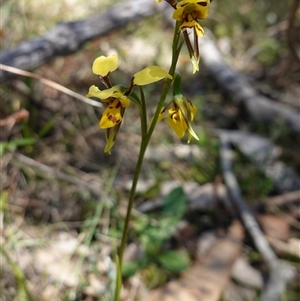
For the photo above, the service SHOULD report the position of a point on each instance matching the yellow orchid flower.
(113, 114)
(189, 11)
(180, 117)
(177, 122)
(118, 97)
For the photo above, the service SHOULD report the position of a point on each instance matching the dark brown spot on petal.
(113, 119)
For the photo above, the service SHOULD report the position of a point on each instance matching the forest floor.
(63, 200)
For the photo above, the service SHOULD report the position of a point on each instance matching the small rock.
(245, 274)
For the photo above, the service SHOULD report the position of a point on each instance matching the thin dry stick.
(56, 173)
(285, 199)
(51, 84)
(279, 275)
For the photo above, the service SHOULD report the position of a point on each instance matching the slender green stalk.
(144, 144)
(175, 53)
(143, 112)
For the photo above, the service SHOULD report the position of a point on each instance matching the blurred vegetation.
(63, 133)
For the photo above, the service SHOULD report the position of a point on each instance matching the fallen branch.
(285, 199)
(264, 154)
(279, 275)
(68, 37)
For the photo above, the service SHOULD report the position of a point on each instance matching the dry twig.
(51, 84)
(279, 275)
(285, 199)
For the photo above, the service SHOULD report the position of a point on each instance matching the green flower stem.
(175, 54)
(143, 113)
(177, 85)
(144, 144)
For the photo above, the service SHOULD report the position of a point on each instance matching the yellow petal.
(181, 117)
(115, 92)
(202, 3)
(95, 92)
(177, 14)
(109, 94)
(105, 64)
(112, 115)
(193, 24)
(150, 75)
(195, 8)
(199, 29)
(177, 122)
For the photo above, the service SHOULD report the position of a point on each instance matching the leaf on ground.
(175, 203)
(129, 268)
(274, 226)
(174, 261)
